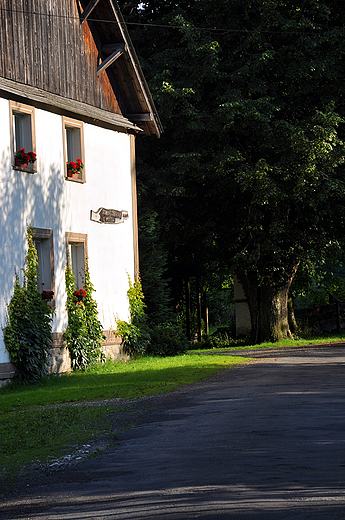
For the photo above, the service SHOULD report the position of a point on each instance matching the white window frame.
(73, 150)
(77, 240)
(28, 137)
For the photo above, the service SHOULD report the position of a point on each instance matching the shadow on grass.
(146, 376)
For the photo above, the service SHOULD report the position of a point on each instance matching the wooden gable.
(75, 55)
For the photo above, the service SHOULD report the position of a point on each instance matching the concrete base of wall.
(7, 371)
(112, 346)
(60, 360)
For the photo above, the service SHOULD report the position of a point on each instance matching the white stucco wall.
(47, 200)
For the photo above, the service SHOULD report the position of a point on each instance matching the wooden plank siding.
(44, 44)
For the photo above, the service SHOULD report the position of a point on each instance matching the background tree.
(153, 263)
(249, 172)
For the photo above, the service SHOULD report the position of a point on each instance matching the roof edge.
(76, 107)
(137, 67)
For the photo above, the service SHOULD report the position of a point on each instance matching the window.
(43, 240)
(77, 254)
(74, 144)
(23, 132)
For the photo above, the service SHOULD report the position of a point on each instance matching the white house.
(70, 87)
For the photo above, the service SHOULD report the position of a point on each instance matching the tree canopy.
(249, 172)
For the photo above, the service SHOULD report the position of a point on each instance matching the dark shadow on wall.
(27, 199)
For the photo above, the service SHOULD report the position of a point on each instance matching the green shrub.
(27, 334)
(135, 334)
(223, 337)
(135, 340)
(84, 333)
(167, 339)
(138, 339)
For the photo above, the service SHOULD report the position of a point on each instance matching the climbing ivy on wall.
(84, 332)
(135, 335)
(27, 334)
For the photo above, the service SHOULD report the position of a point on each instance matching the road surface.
(261, 441)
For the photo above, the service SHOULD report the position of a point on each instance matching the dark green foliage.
(153, 268)
(222, 337)
(27, 333)
(135, 334)
(220, 299)
(167, 339)
(138, 338)
(249, 172)
(135, 339)
(318, 277)
(319, 292)
(84, 332)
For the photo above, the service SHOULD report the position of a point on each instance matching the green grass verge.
(36, 426)
(32, 437)
(127, 380)
(298, 342)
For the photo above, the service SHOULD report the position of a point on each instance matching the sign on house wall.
(108, 216)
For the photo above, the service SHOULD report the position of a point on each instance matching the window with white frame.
(74, 147)
(22, 132)
(43, 241)
(77, 253)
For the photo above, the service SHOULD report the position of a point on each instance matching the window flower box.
(23, 158)
(79, 295)
(47, 295)
(74, 169)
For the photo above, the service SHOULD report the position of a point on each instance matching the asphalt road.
(261, 441)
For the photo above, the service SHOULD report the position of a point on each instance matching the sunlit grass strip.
(126, 380)
(332, 338)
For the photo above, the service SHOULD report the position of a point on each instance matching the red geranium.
(26, 157)
(76, 167)
(47, 295)
(79, 292)
(79, 295)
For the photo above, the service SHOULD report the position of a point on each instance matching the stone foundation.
(60, 360)
(112, 346)
(7, 371)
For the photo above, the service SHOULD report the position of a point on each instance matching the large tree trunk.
(292, 320)
(268, 307)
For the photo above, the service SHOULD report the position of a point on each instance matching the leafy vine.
(27, 333)
(84, 333)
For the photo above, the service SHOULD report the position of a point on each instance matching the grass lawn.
(36, 426)
(298, 342)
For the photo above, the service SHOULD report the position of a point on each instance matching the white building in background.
(63, 98)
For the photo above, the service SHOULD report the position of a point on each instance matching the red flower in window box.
(79, 295)
(47, 295)
(74, 169)
(22, 158)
